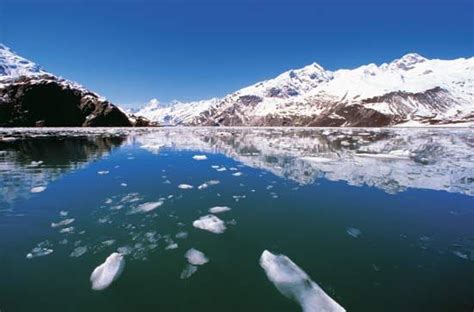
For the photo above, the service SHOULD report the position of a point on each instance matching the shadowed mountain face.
(30, 96)
(47, 101)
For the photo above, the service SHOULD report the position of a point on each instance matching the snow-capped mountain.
(13, 65)
(411, 90)
(31, 96)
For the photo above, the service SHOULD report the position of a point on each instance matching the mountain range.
(410, 91)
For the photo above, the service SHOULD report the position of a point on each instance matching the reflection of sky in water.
(140, 192)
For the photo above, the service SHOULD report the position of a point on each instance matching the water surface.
(382, 220)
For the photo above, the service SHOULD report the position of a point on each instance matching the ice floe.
(294, 283)
(189, 270)
(38, 189)
(41, 250)
(62, 223)
(67, 230)
(107, 272)
(181, 235)
(199, 157)
(171, 246)
(237, 174)
(196, 257)
(147, 207)
(210, 223)
(219, 209)
(103, 172)
(354, 232)
(185, 186)
(78, 251)
(63, 213)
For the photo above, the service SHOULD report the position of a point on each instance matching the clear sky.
(132, 51)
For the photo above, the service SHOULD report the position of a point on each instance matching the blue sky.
(132, 51)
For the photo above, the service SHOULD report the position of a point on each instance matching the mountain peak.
(12, 65)
(407, 62)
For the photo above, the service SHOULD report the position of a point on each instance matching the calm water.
(382, 220)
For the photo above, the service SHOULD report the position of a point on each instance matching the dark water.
(381, 220)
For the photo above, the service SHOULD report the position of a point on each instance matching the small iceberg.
(78, 251)
(219, 209)
(188, 271)
(354, 232)
(237, 174)
(38, 189)
(182, 235)
(185, 186)
(210, 223)
(171, 246)
(294, 283)
(196, 257)
(107, 272)
(41, 250)
(147, 207)
(62, 223)
(199, 157)
(103, 172)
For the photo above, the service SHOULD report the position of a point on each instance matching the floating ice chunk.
(189, 270)
(35, 164)
(108, 242)
(63, 213)
(213, 182)
(41, 250)
(221, 169)
(219, 209)
(149, 206)
(199, 157)
(196, 257)
(182, 235)
(62, 222)
(185, 186)
(461, 255)
(123, 184)
(354, 232)
(67, 230)
(38, 189)
(237, 174)
(203, 186)
(171, 246)
(294, 283)
(210, 223)
(125, 250)
(107, 272)
(103, 172)
(78, 251)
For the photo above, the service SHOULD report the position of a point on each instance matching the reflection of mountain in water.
(389, 159)
(35, 161)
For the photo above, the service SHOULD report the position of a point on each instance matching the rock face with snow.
(30, 96)
(410, 89)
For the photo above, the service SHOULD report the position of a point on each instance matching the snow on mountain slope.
(13, 65)
(176, 113)
(411, 88)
